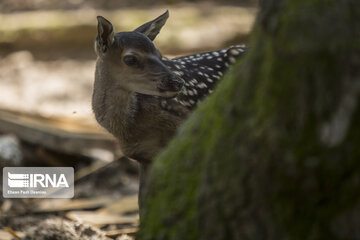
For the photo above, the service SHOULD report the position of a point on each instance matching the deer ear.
(105, 36)
(151, 29)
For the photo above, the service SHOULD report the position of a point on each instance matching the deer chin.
(168, 94)
(158, 92)
(169, 89)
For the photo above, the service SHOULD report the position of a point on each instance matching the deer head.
(131, 60)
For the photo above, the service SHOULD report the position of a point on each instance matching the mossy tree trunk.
(274, 153)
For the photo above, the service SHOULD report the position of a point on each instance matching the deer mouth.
(170, 88)
(168, 94)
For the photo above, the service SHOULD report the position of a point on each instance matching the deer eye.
(130, 60)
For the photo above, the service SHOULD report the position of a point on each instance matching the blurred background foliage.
(30, 5)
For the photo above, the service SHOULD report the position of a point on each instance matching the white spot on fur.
(163, 103)
(202, 85)
(194, 81)
(179, 73)
(234, 52)
(187, 104)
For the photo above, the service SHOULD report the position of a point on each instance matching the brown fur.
(136, 120)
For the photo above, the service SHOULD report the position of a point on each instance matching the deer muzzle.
(170, 85)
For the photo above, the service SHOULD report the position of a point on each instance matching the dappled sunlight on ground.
(60, 88)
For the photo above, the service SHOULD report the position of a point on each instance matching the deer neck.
(113, 106)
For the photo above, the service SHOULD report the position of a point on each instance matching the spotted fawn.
(142, 97)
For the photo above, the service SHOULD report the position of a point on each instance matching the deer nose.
(170, 84)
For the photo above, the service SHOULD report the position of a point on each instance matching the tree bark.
(274, 152)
